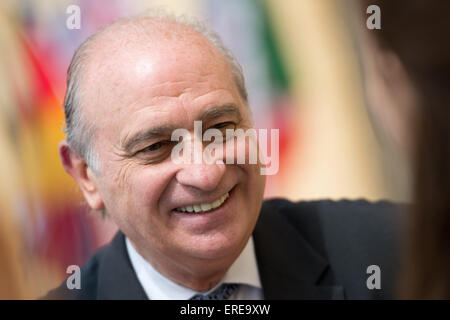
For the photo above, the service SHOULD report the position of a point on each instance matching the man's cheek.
(123, 173)
(146, 189)
(240, 151)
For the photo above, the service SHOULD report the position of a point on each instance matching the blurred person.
(407, 73)
(198, 231)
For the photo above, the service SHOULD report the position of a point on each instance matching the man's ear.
(83, 175)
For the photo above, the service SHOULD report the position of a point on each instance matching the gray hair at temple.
(80, 132)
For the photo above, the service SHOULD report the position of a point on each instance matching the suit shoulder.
(342, 214)
(360, 218)
(352, 235)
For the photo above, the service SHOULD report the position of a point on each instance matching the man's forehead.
(149, 78)
(125, 42)
(137, 60)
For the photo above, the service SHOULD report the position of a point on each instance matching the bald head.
(131, 52)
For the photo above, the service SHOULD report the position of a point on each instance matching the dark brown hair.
(418, 31)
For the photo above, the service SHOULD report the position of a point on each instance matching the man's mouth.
(204, 207)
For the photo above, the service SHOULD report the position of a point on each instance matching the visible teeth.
(204, 207)
(216, 203)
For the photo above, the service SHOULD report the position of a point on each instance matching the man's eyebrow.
(166, 130)
(162, 131)
(218, 111)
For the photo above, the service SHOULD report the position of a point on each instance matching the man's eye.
(155, 152)
(225, 125)
(155, 147)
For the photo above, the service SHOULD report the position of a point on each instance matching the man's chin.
(213, 249)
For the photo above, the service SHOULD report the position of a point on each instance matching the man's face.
(140, 99)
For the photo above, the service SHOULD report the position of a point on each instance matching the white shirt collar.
(157, 287)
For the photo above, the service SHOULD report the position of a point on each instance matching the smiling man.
(197, 230)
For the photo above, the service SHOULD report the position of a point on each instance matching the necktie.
(223, 292)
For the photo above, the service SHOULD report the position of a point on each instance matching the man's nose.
(206, 177)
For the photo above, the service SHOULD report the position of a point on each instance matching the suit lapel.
(117, 279)
(289, 267)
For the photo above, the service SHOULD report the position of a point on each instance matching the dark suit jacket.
(305, 250)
